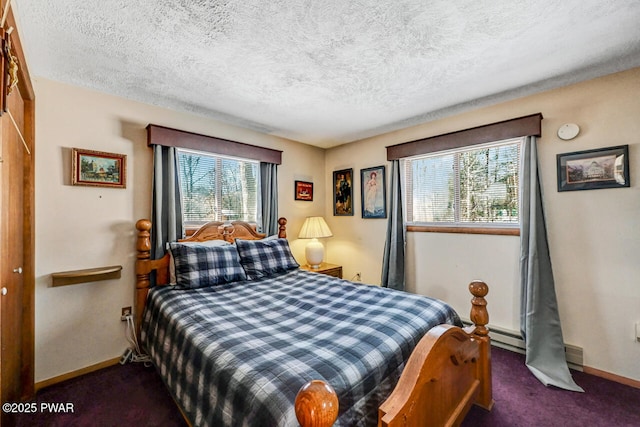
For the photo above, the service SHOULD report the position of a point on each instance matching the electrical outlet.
(126, 311)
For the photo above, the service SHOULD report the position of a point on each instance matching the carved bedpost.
(143, 270)
(282, 228)
(316, 405)
(480, 319)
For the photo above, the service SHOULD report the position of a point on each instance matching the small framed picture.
(304, 191)
(594, 169)
(373, 188)
(98, 169)
(343, 192)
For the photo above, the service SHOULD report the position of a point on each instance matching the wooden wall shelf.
(87, 275)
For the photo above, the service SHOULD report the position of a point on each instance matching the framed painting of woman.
(373, 189)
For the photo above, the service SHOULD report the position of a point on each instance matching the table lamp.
(314, 227)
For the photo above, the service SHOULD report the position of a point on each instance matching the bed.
(268, 344)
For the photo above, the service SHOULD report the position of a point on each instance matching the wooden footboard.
(448, 371)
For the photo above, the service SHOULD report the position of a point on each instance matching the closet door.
(17, 239)
(12, 277)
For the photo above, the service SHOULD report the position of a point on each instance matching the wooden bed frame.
(448, 371)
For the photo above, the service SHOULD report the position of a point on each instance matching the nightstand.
(325, 268)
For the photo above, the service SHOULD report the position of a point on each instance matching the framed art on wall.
(373, 188)
(594, 169)
(98, 169)
(343, 192)
(304, 191)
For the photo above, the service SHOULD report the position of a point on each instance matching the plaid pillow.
(199, 266)
(172, 264)
(262, 258)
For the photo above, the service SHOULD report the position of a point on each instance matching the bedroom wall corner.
(78, 326)
(594, 235)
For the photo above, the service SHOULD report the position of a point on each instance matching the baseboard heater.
(512, 340)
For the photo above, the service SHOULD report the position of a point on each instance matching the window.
(217, 188)
(474, 186)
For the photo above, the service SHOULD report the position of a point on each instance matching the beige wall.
(594, 235)
(85, 227)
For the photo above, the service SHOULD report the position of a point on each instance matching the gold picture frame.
(98, 168)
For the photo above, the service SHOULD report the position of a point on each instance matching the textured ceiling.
(327, 72)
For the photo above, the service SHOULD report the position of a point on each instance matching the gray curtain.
(539, 318)
(166, 204)
(268, 198)
(393, 260)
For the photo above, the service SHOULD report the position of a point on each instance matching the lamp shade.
(314, 227)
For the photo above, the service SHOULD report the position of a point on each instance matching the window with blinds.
(217, 188)
(472, 186)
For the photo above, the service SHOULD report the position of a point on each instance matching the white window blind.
(217, 188)
(464, 187)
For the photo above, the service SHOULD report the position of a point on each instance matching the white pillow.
(172, 265)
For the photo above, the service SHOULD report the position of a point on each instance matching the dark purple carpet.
(121, 395)
(521, 400)
(133, 395)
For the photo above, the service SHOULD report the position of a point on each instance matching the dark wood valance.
(514, 128)
(160, 135)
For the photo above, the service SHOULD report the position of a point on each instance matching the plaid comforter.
(237, 354)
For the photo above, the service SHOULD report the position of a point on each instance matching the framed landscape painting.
(593, 169)
(98, 169)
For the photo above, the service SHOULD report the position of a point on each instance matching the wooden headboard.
(214, 230)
